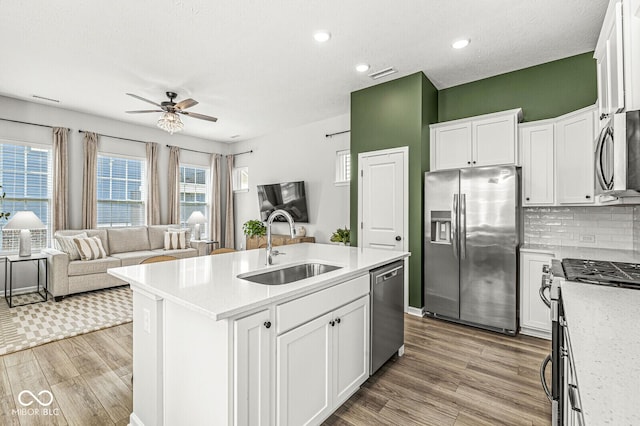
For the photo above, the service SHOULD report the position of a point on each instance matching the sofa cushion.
(179, 253)
(125, 240)
(90, 248)
(86, 267)
(100, 233)
(134, 257)
(67, 245)
(156, 236)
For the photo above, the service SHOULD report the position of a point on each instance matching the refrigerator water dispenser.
(441, 227)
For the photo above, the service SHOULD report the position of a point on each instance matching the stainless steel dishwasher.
(387, 314)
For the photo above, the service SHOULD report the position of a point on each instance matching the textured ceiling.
(255, 65)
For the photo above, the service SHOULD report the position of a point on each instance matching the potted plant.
(254, 230)
(342, 236)
(3, 215)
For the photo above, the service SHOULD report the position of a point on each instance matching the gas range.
(602, 272)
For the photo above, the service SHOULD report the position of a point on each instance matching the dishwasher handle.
(389, 274)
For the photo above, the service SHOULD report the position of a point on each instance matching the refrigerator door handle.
(454, 226)
(463, 226)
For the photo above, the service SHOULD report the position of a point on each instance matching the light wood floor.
(449, 375)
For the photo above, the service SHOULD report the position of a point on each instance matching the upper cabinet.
(538, 163)
(484, 140)
(617, 56)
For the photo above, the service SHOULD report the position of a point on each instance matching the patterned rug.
(23, 327)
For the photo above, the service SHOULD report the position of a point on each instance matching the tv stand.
(276, 240)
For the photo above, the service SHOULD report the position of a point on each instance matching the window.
(194, 190)
(26, 180)
(343, 167)
(121, 186)
(241, 179)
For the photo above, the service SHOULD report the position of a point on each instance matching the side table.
(210, 243)
(39, 258)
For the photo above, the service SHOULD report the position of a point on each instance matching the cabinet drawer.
(299, 311)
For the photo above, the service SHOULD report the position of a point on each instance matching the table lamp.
(25, 221)
(197, 219)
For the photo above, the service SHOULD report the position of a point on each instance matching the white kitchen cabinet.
(321, 363)
(574, 135)
(609, 60)
(538, 163)
(252, 369)
(535, 319)
(484, 140)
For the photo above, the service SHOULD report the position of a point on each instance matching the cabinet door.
(494, 141)
(538, 171)
(603, 83)
(304, 381)
(615, 65)
(534, 314)
(451, 146)
(350, 348)
(574, 159)
(252, 369)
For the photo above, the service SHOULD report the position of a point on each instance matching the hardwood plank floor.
(450, 375)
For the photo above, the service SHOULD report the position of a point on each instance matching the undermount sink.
(289, 274)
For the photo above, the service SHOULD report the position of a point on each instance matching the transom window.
(26, 180)
(194, 190)
(121, 183)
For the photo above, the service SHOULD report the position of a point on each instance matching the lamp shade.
(196, 218)
(24, 220)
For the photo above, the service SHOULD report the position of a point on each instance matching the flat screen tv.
(288, 196)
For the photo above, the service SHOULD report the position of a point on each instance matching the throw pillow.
(90, 248)
(66, 244)
(176, 228)
(175, 240)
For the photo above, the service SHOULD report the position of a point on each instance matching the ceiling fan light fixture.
(170, 122)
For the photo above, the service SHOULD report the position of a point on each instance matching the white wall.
(301, 153)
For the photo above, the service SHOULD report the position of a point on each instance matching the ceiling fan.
(170, 120)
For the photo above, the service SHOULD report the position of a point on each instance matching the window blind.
(121, 187)
(343, 166)
(194, 190)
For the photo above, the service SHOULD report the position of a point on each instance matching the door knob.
(267, 324)
(398, 238)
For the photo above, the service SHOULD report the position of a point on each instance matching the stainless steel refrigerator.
(472, 235)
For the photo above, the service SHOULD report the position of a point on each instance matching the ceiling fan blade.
(143, 111)
(187, 103)
(143, 99)
(200, 116)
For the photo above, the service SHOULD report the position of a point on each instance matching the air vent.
(46, 99)
(383, 73)
(234, 136)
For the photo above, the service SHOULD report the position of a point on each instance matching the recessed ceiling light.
(322, 36)
(362, 67)
(459, 44)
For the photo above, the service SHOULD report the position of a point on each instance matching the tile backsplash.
(604, 227)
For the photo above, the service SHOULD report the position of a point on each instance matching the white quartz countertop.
(605, 336)
(592, 253)
(209, 284)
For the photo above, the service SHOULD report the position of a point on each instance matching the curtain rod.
(246, 152)
(330, 135)
(31, 124)
(114, 137)
(192, 150)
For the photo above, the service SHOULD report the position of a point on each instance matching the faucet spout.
(292, 231)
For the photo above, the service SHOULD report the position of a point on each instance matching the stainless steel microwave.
(617, 156)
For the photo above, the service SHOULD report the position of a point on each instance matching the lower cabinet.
(535, 319)
(321, 363)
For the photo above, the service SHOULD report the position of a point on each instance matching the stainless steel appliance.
(617, 158)
(387, 314)
(472, 234)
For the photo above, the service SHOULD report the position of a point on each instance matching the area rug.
(27, 326)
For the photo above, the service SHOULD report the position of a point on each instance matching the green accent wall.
(543, 91)
(390, 115)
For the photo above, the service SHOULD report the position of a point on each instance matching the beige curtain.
(174, 185)
(60, 178)
(153, 185)
(89, 184)
(229, 228)
(215, 219)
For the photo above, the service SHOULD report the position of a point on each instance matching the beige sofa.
(124, 247)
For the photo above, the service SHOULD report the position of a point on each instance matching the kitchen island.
(212, 348)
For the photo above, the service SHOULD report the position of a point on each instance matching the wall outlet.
(146, 320)
(586, 238)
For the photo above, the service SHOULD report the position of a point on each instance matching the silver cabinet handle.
(463, 226)
(543, 379)
(545, 286)
(454, 226)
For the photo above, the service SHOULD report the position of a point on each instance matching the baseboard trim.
(134, 420)
(540, 334)
(418, 312)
